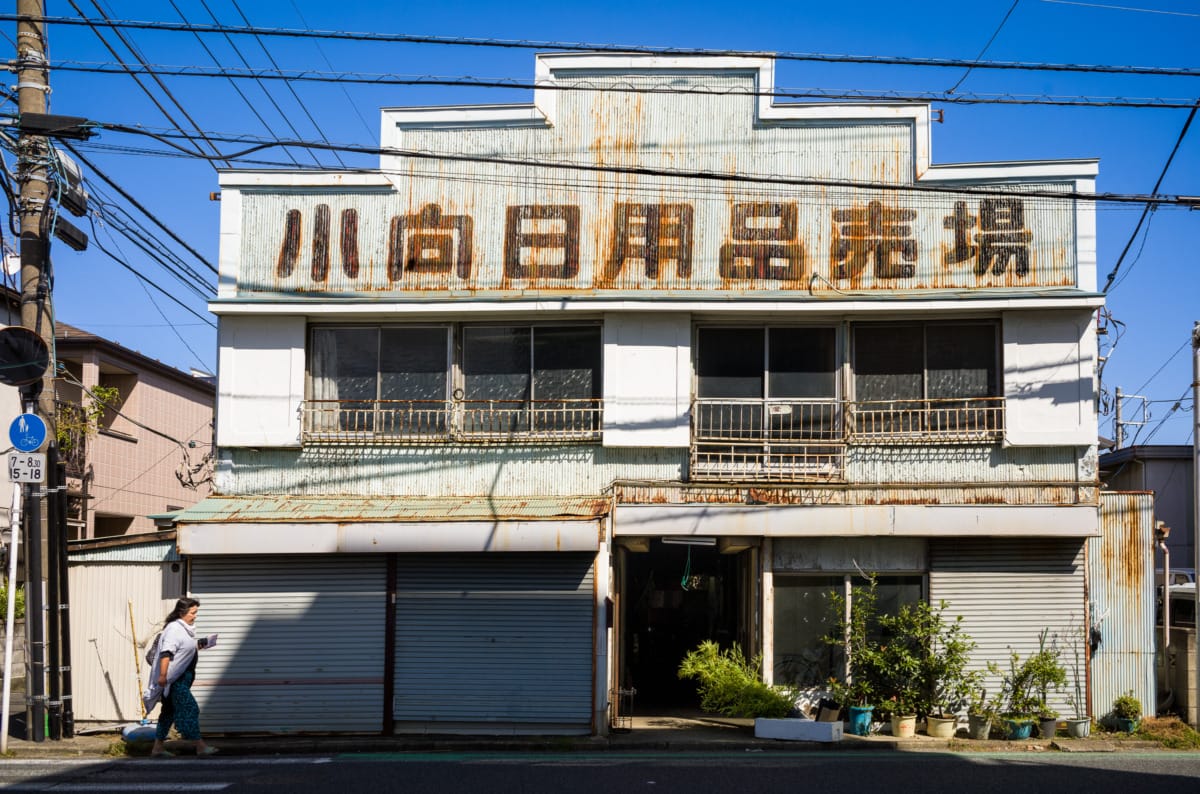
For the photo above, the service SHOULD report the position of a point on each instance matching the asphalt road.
(688, 773)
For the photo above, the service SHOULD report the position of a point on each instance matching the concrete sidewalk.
(666, 733)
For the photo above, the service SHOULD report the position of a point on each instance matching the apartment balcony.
(451, 421)
(785, 440)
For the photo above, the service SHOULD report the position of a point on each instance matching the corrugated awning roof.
(319, 509)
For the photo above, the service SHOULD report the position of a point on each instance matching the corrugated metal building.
(561, 390)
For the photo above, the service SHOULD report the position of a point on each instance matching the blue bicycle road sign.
(27, 432)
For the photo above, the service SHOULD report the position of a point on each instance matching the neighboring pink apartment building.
(143, 457)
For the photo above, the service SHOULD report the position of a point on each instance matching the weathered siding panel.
(1121, 588)
(105, 664)
(443, 470)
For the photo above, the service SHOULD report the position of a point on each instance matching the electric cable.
(624, 49)
(840, 94)
(291, 88)
(233, 83)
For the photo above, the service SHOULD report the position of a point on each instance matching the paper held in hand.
(209, 641)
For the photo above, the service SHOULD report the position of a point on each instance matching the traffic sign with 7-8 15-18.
(27, 466)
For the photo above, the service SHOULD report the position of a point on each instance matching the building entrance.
(674, 596)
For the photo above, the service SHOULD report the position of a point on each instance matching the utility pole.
(1196, 492)
(33, 176)
(1118, 425)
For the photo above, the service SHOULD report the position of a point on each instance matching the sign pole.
(10, 618)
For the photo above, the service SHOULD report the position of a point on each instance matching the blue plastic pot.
(1019, 729)
(860, 720)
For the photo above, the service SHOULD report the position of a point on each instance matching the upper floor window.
(465, 382)
(766, 402)
(925, 379)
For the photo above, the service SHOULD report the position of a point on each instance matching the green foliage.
(730, 684)
(913, 662)
(979, 704)
(1027, 684)
(924, 659)
(20, 605)
(74, 422)
(863, 682)
(1127, 707)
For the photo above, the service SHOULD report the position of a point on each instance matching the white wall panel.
(647, 380)
(261, 381)
(1049, 378)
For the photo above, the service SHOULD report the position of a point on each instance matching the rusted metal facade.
(660, 202)
(1121, 595)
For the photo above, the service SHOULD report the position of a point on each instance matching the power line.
(141, 208)
(665, 172)
(146, 280)
(530, 44)
(232, 82)
(854, 94)
(290, 87)
(979, 57)
(270, 98)
(1120, 8)
(162, 86)
(1158, 183)
(353, 105)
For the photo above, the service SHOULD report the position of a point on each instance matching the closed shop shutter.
(1008, 591)
(301, 645)
(494, 639)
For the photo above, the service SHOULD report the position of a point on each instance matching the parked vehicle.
(1183, 606)
(1178, 576)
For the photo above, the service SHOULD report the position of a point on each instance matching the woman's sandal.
(207, 751)
(163, 754)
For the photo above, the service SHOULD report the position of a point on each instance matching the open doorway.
(676, 593)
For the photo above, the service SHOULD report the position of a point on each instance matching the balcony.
(946, 421)
(789, 440)
(451, 421)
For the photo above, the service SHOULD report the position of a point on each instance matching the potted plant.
(982, 711)
(859, 686)
(1127, 710)
(1080, 725)
(1046, 674)
(855, 697)
(1017, 696)
(930, 656)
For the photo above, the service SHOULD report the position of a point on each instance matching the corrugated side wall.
(105, 667)
(1008, 591)
(499, 640)
(301, 643)
(1121, 587)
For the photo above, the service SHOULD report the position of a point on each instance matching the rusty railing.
(471, 421)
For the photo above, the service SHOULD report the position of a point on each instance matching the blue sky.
(1153, 303)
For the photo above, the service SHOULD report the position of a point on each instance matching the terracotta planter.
(941, 727)
(904, 727)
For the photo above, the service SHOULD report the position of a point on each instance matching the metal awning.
(330, 525)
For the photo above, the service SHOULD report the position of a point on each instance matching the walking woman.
(173, 671)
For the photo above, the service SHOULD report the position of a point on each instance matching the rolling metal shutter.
(491, 640)
(301, 646)
(1009, 590)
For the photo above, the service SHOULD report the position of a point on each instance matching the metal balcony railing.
(799, 440)
(470, 421)
(953, 421)
(767, 440)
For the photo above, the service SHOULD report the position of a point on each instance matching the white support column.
(766, 563)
